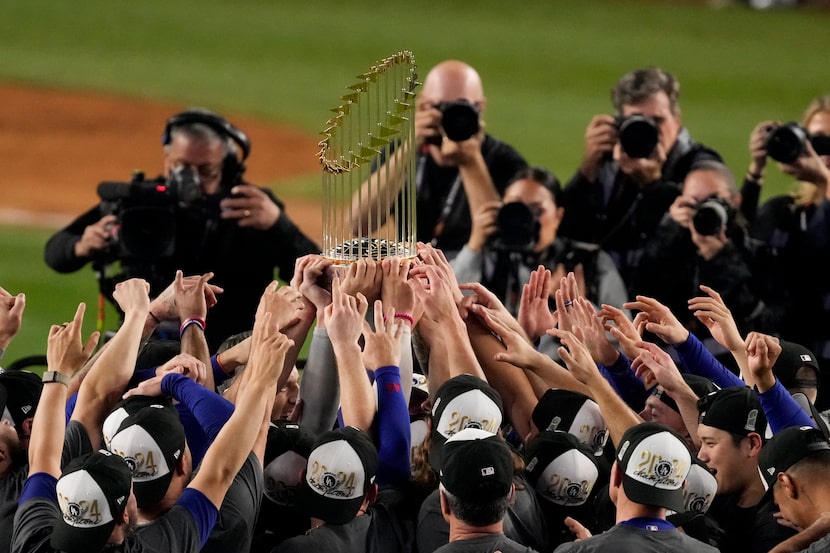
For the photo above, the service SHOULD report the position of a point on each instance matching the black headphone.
(232, 166)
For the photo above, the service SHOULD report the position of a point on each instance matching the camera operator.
(459, 166)
(513, 237)
(200, 216)
(703, 239)
(795, 229)
(632, 168)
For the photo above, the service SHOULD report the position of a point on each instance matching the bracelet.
(406, 316)
(55, 376)
(198, 321)
(158, 322)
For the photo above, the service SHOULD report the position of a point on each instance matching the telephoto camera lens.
(459, 120)
(711, 216)
(638, 135)
(786, 143)
(518, 228)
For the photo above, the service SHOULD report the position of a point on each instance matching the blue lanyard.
(649, 523)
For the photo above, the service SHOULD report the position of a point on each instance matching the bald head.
(452, 80)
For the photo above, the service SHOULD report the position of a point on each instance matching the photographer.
(702, 239)
(632, 167)
(459, 166)
(795, 229)
(200, 217)
(513, 237)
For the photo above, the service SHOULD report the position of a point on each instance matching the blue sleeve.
(696, 359)
(197, 441)
(393, 428)
(781, 410)
(628, 385)
(210, 409)
(41, 485)
(142, 375)
(201, 509)
(219, 375)
(70, 406)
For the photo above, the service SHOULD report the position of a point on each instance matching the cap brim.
(329, 509)
(649, 495)
(80, 540)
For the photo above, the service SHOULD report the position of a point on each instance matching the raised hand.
(163, 307)
(190, 299)
(65, 352)
(364, 276)
(762, 351)
(382, 346)
(307, 276)
(660, 320)
(11, 316)
(655, 366)
(535, 316)
(626, 332)
(283, 302)
(345, 315)
(132, 296)
(396, 289)
(711, 310)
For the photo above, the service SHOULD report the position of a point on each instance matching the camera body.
(146, 212)
(459, 120)
(785, 143)
(711, 216)
(638, 135)
(518, 228)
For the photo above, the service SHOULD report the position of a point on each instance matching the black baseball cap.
(571, 412)
(655, 462)
(561, 469)
(793, 356)
(464, 401)
(477, 466)
(734, 409)
(19, 395)
(786, 448)
(287, 448)
(152, 442)
(700, 385)
(341, 467)
(92, 494)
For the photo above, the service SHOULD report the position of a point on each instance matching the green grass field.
(547, 67)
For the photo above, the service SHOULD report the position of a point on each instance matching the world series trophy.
(368, 165)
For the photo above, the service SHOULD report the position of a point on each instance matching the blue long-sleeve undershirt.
(393, 428)
(628, 385)
(698, 360)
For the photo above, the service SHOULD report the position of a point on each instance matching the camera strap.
(441, 223)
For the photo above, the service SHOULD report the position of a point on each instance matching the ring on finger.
(568, 303)
(247, 213)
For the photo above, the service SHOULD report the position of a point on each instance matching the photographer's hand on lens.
(465, 152)
(485, 224)
(758, 148)
(682, 210)
(643, 171)
(808, 167)
(600, 138)
(427, 124)
(96, 237)
(252, 208)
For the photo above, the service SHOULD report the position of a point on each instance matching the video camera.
(459, 120)
(638, 135)
(146, 212)
(785, 143)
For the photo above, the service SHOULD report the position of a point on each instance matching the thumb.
(91, 342)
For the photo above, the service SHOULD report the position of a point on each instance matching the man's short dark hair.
(477, 513)
(640, 84)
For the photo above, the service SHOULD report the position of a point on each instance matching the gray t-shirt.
(235, 526)
(482, 544)
(819, 546)
(75, 443)
(624, 539)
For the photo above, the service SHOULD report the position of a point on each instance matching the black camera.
(787, 142)
(518, 228)
(638, 135)
(146, 212)
(459, 120)
(711, 216)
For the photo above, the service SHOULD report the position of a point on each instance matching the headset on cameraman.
(232, 166)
